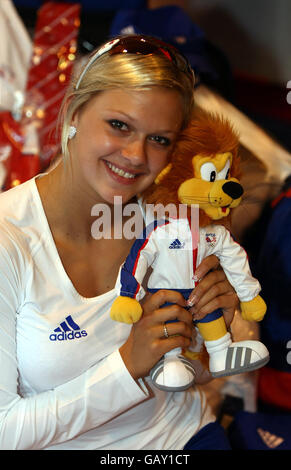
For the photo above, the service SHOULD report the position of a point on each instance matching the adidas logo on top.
(176, 245)
(67, 330)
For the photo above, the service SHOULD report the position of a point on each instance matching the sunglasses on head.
(144, 45)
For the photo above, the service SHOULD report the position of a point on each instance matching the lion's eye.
(208, 172)
(224, 173)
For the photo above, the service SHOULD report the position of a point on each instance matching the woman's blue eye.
(161, 140)
(116, 124)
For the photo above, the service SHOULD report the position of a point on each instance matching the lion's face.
(204, 170)
(212, 187)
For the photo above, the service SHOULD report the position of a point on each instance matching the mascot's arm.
(234, 262)
(126, 308)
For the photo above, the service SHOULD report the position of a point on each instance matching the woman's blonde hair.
(124, 71)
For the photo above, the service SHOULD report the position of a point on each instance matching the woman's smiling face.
(123, 140)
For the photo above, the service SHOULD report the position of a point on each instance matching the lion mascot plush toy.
(203, 173)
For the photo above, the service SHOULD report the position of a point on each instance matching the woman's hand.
(213, 291)
(147, 343)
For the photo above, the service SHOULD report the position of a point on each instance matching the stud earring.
(72, 132)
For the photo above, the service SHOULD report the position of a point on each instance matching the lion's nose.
(233, 189)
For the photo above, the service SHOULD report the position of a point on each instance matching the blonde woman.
(71, 378)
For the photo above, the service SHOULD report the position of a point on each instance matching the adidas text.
(68, 336)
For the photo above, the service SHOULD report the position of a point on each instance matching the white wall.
(254, 34)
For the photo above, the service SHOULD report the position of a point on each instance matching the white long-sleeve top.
(63, 384)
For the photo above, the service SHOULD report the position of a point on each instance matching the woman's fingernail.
(192, 300)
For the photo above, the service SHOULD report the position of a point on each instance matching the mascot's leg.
(173, 372)
(227, 357)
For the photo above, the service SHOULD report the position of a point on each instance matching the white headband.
(105, 48)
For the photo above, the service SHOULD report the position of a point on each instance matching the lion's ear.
(163, 173)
